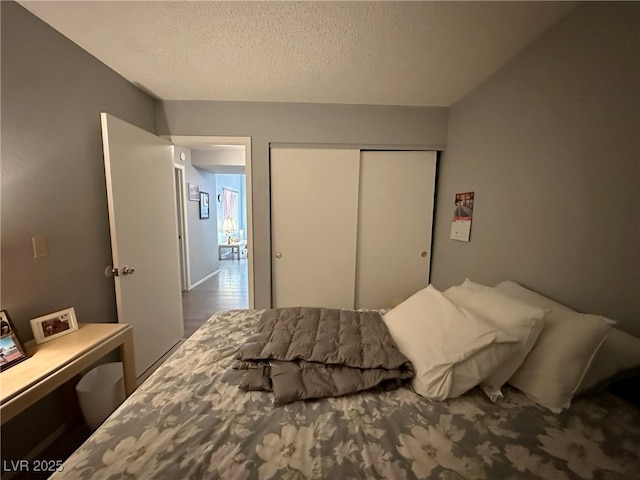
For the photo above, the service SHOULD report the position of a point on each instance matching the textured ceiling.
(380, 53)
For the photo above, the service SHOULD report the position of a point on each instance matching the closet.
(350, 228)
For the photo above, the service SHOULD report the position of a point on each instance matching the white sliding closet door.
(314, 207)
(394, 227)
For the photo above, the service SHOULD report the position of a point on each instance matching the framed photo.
(11, 351)
(204, 205)
(194, 192)
(54, 325)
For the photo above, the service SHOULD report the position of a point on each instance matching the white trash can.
(100, 391)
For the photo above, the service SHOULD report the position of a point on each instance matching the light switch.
(40, 247)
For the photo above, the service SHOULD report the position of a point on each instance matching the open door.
(144, 238)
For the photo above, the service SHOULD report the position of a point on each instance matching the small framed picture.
(194, 192)
(11, 351)
(54, 325)
(204, 205)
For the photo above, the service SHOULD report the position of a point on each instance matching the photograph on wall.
(462, 216)
(11, 351)
(204, 205)
(194, 192)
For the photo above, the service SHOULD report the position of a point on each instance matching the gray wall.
(53, 184)
(297, 123)
(53, 180)
(550, 145)
(202, 233)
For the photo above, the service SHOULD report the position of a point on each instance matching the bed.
(190, 420)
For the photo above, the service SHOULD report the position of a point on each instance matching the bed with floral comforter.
(189, 420)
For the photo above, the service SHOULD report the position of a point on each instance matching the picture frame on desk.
(11, 350)
(54, 325)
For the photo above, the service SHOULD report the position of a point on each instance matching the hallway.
(227, 290)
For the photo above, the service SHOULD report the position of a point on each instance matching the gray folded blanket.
(301, 353)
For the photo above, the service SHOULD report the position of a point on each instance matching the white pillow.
(516, 291)
(472, 286)
(505, 313)
(552, 372)
(617, 358)
(439, 337)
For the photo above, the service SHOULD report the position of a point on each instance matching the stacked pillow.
(552, 373)
(617, 359)
(453, 348)
(505, 312)
(473, 335)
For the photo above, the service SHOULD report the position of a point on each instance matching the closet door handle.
(278, 255)
(423, 254)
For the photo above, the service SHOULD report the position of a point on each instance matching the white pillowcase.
(618, 357)
(505, 313)
(517, 291)
(470, 286)
(553, 371)
(442, 341)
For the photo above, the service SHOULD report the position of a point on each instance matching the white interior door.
(394, 227)
(142, 216)
(314, 200)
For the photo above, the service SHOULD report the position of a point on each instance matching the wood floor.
(228, 290)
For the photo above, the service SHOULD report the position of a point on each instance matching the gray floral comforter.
(189, 420)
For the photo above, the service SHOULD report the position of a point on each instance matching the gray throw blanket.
(301, 353)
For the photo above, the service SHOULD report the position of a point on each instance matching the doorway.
(181, 210)
(227, 283)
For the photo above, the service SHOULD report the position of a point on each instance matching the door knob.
(278, 255)
(423, 254)
(128, 270)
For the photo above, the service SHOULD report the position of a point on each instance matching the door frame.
(183, 227)
(190, 140)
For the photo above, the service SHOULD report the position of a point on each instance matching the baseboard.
(204, 279)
